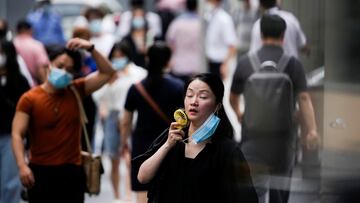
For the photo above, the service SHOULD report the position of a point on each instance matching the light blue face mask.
(95, 26)
(138, 22)
(119, 63)
(206, 130)
(59, 78)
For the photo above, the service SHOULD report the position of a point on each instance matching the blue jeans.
(10, 185)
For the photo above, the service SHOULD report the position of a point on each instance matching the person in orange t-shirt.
(50, 115)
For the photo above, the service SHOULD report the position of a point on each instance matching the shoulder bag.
(93, 167)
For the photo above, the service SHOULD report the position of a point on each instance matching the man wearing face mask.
(49, 113)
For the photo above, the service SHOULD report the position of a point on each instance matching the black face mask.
(2, 33)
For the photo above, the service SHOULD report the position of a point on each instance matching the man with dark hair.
(271, 153)
(5, 34)
(294, 37)
(51, 116)
(272, 26)
(32, 51)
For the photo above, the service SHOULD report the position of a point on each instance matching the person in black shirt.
(201, 163)
(273, 153)
(12, 85)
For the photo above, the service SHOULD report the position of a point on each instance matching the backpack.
(268, 95)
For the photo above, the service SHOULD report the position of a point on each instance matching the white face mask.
(2, 60)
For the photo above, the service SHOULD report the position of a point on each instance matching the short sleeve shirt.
(168, 94)
(277, 149)
(220, 35)
(244, 69)
(54, 125)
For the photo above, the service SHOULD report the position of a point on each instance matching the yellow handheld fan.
(181, 118)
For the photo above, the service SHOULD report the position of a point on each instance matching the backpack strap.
(254, 60)
(256, 63)
(283, 61)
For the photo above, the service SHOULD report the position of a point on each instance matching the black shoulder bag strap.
(151, 102)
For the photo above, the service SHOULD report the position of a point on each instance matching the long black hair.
(11, 65)
(216, 85)
(158, 56)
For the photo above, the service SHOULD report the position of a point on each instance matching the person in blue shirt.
(46, 24)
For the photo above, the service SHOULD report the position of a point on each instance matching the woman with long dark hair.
(201, 163)
(12, 85)
(166, 91)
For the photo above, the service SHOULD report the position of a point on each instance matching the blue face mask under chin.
(206, 130)
(59, 78)
(119, 63)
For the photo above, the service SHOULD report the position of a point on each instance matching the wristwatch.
(91, 48)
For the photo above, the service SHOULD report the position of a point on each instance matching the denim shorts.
(111, 134)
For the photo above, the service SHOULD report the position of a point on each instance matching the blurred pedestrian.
(140, 37)
(12, 85)
(128, 18)
(46, 23)
(168, 10)
(220, 38)
(184, 38)
(5, 34)
(203, 162)
(245, 15)
(110, 101)
(270, 149)
(32, 51)
(4, 30)
(294, 38)
(166, 92)
(103, 40)
(50, 114)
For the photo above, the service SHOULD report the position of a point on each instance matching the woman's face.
(200, 102)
